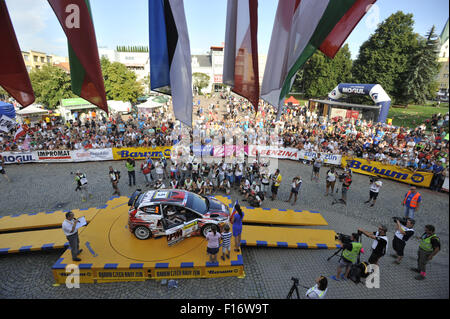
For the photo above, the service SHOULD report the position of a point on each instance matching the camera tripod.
(294, 288)
(336, 253)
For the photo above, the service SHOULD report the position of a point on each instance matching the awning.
(32, 109)
(292, 100)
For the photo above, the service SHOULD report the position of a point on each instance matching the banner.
(92, 155)
(18, 157)
(334, 159)
(53, 156)
(7, 123)
(141, 153)
(445, 185)
(362, 166)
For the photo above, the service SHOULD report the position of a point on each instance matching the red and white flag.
(240, 68)
(21, 131)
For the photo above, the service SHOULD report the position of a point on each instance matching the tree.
(200, 81)
(120, 83)
(419, 81)
(386, 56)
(51, 84)
(321, 74)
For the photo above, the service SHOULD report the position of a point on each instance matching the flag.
(6, 123)
(13, 73)
(170, 56)
(333, 42)
(26, 143)
(76, 20)
(300, 28)
(240, 68)
(21, 131)
(234, 211)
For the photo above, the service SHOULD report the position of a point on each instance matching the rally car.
(177, 214)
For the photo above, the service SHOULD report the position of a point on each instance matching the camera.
(374, 179)
(347, 238)
(402, 220)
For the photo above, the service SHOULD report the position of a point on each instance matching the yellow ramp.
(33, 241)
(43, 220)
(263, 236)
(275, 216)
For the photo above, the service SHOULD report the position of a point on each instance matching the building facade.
(443, 75)
(36, 59)
(138, 62)
(212, 65)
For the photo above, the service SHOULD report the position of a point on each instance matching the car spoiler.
(134, 196)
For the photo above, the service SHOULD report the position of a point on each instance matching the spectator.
(114, 177)
(276, 182)
(330, 180)
(213, 238)
(295, 189)
(226, 242)
(402, 234)
(2, 168)
(130, 165)
(236, 220)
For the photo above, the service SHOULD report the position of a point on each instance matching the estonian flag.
(170, 56)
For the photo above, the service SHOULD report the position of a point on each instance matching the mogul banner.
(18, 157)
(140, 153)
(362, 166)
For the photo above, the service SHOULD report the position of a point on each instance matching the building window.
(42, 59)
(25, 57)
(35, 58)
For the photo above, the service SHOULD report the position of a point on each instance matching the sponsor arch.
(375, 91)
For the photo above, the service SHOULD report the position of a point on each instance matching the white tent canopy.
(31, 110)
(149, 104)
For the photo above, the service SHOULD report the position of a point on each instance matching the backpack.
(261, 195)
(358, 271)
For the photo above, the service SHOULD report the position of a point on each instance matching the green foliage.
(321, 74)
(120, 83)
(51, 84)
(200, 81)
(386, 56)
(3, 94)
(419, 81)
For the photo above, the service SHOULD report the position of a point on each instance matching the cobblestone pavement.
(41, 187)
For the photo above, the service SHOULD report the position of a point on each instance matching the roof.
(348, 105)
(65, 66)
(292, 100)
(164, 196)
(32, 109)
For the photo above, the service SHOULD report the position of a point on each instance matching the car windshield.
(197, 203)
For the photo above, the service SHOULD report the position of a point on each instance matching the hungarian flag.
(301, 27)
(170, 56)
(76, 20)
(21, 131)
(240, 68)
(13, 73)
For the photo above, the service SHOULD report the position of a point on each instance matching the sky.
(119, 22)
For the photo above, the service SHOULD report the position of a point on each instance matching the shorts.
(344, 263)
(274, 189)
(331, 184)
(212, 251)
(294, 191)
(2, 171)
(316, 169)
(373, 195)
(373, 259)
(398, 245)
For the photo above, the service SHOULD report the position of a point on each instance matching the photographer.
(402, 234)
(346, 179)
(319, 290)
(375, 186)
(82, 185)
(379, 245)
(352, 249)
(429, 246)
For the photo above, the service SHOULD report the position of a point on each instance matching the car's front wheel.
(206, 229)
(142, 232)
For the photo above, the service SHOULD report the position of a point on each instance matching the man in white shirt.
(375, 186)
(69, 229)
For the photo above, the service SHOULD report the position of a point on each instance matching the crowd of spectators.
(421, 148)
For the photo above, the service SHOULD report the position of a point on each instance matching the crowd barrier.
(358, 165)
(404, 175)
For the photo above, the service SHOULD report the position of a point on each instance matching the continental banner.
(362, 166)
(141, 153)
